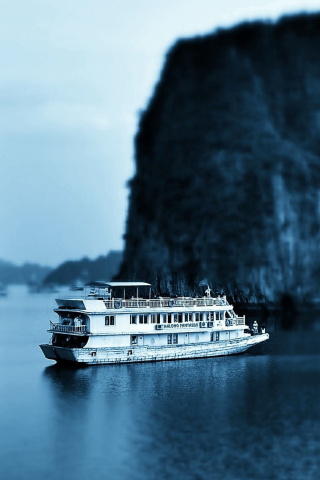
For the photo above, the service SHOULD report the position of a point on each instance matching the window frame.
(172, 339)
(109, 320)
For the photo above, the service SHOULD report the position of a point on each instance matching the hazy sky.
(74, 76)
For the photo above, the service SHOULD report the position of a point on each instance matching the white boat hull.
(132, 354)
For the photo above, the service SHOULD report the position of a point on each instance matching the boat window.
(172, 338)
(180, 317)
(133, 319)
(143, 318)
(217, 336)
(197, 316)
(164, 318)
(155, 318)
(175, 317)
(134, 339)
(169, 318)
(188, 317)
(109, 320)
(212, 336)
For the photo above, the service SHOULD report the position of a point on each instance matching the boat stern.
(59, 354)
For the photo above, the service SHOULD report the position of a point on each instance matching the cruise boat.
(104, 327)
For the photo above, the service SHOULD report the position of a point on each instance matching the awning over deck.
(128, 284)
(99, 284)
(102, 284)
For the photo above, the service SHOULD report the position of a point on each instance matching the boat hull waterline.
(140, 354)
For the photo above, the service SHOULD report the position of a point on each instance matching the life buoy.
(117, 304)
(171, 303)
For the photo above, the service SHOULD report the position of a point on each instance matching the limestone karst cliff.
(228, 163)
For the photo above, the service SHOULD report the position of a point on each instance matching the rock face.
(228, 168)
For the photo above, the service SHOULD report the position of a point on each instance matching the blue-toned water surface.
(250, 416)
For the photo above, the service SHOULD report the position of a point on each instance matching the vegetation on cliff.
(85, 270)
(19, 274)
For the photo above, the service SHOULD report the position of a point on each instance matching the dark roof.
(97, 284)
(103, 284)
(128, 284)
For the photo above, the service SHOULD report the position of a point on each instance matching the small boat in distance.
(103, 328)
(76, 287)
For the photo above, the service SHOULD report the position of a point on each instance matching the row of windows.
(168, 318)
(172, 338)
(176, 317)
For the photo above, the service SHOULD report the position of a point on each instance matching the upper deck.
(98, 296)
(100, 304)
(99, 312)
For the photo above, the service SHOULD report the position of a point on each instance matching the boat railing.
(235, 321)
(58, 327)
(240, 320)
(164, 302)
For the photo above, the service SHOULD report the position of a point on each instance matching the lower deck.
(139, 353)
(173, 336)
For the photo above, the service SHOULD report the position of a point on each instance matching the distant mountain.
(13, 274)
(228, 164)
(85, 270)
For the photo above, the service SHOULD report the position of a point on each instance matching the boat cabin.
(128, 319)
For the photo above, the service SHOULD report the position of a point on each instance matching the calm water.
(252, 416)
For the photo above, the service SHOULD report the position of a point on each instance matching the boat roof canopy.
(128, 284)
(97, 284)
(117, 284)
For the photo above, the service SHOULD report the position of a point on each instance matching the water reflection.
(68, 380)
(251, 416)
(180, 411)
